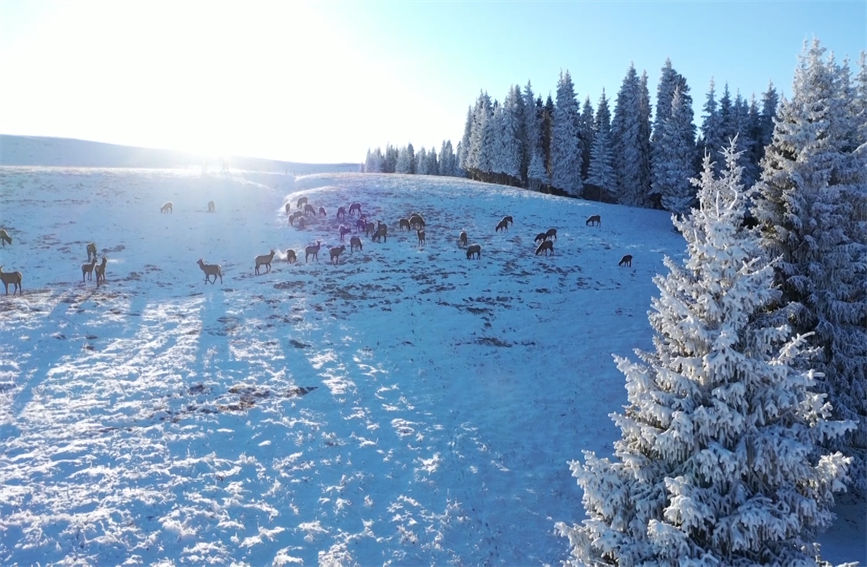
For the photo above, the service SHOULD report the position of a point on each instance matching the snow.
(407, 406)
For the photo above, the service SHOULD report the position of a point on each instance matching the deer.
(100, 271)
(264, 260)
(87, 269)
(421, 240)
(403, 224)
(341, 213)
(91, 251)
(355, 207)
(336, 252)
(290, 256)
(474, 250)
(551, 233)
(541, 237)
(462, 239)
(211, 270)
(626, 261)
(167, 207)
(212, 207)
(380, 234)
(309, 210)
(301, 202)
(322, 212)
(13, 278)
(4, 237)
(344, 230)
(312, 250)
(546, 246)
(594, 220)
(416, 221)
(355, 242)
(502, 225)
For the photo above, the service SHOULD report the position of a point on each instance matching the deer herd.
(377, 232)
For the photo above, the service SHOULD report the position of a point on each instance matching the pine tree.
(586, 132)
(672, 143)
(812, 208)
(711, 128)
(374, 161)
(464, 144)
(718, 462)
(448, 161)
(565, 141)
(673, 163)
(630, 136)
(601, 173)
(506, 159)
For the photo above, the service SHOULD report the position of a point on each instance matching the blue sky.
(325, 81)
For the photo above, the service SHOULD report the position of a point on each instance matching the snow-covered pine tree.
(565, 141)
(405, 160)
(373, 162)
(601, 173)
(711, 129)
(812, 210)
(531, 124)
(630, 136)
(586, 132)
(506, 156)
(672, 166)
(718, 463)
(448, 161)
(462, 154)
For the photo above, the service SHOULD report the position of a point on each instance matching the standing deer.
(87, 270)
(4, 237)
(91, 251)
(13, 278)
(354, 242)
(211, 270)
(474, 250)
(421, 240)
(100, 271)
(462, 239)
(626, 261)
(290, 256)
(336, 252)
(502, 225)
(312, 251)
(595, 220)
(264, 260)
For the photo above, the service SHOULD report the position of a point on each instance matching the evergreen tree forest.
(613, 154)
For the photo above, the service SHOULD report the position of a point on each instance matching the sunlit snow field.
(406, 406)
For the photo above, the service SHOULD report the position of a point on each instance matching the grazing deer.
(551, 233)
(309, 210)
(416, 221)
(336, 252)
(344, 230)
(403, 224)
(361, 224)
(290, 256)
(595, 220)
(380, 234)
(421, 240)
(502, 225)
(13, 278)
(312, 251)
(212, 207)
(4, 237)
(545, 247)
(167, 207)
(354, 242)
(100, 271)
(462, 239)
(264, 260)
(91, 251)
(211, 270)
(87, 269)
(626, 261)
(355, 207)
(474, 250)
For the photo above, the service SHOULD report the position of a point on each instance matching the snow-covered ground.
(407, 406)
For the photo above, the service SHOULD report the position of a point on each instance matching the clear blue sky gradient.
(325, 81)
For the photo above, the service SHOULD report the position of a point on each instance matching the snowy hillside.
(405, 406)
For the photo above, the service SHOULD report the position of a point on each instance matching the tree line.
(559, 146)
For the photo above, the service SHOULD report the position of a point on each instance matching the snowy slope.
(407, 406)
